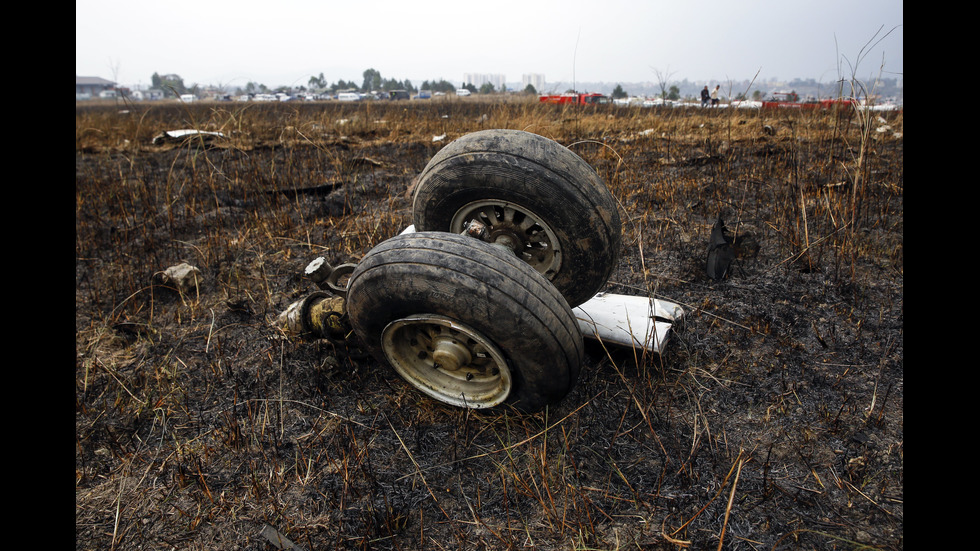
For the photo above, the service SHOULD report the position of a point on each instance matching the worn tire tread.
(474, 283)
(541, 175)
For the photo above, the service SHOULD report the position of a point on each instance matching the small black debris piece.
(720, 251)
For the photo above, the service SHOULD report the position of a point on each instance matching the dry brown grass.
(773, 421)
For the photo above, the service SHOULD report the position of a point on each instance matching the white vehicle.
(462, 92)
(658, 102)
(348, 96)
(187, 98)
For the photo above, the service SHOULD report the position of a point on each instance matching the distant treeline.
(372, 81)
(743, 89)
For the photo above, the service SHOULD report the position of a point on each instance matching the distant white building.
(534, 79)
(498, 81)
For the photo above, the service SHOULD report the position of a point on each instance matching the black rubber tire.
(483, 287)
(535, 175)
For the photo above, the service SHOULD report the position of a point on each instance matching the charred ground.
(773, 420)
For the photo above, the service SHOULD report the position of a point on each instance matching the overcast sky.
(285, 42)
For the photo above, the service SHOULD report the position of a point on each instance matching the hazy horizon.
(219, 42)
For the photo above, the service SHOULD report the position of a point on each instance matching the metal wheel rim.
(475, 374)
(518, 229)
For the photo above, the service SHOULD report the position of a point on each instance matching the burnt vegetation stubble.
(773, 420)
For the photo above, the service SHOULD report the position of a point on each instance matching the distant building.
(534, 79)
(479, 79)
(91, 87)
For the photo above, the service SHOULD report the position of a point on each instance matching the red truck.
(791, 100)
(575, 98)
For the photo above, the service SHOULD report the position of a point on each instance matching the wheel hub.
(447, 360)
(449, 354)
(515, 228)
(508, 240)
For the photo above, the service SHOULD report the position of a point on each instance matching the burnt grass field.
(773, 419)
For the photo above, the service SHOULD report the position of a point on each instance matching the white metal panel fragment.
(184, 134)
(628, 320)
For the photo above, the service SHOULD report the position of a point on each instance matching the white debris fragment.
(632, 321)
(183, 276)
(278, 540)
(185, 134)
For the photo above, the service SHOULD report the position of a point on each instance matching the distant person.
(705, 96)
(714, 96)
